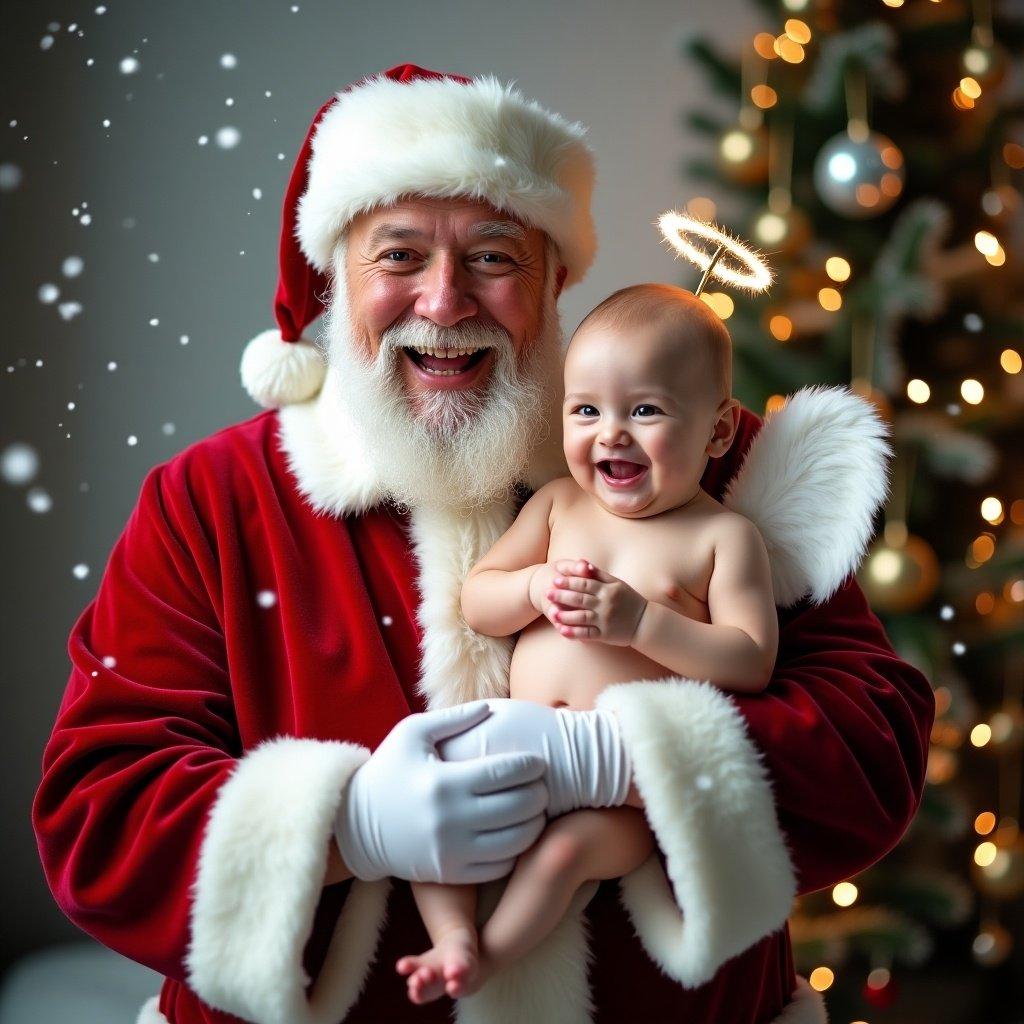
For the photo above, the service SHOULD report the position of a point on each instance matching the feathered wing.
(812, 481)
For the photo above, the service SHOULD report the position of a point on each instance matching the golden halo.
(729, 260)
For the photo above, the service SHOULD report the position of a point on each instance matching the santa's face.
(439, 436)
(449, 263)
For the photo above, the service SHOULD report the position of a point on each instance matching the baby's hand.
(590, 604)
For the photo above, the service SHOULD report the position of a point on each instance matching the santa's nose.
(445, 296)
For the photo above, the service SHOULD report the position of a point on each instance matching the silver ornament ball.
(857, 178)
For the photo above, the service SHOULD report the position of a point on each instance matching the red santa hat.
(413, 131)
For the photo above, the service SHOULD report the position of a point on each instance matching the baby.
(672, 583)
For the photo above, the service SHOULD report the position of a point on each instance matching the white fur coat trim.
(812, 481)
(385, 139)
(710, 805)
(806, 1007)
(259, 881)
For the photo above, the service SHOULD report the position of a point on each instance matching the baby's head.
(648, 399)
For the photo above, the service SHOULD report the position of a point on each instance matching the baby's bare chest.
(668, 560)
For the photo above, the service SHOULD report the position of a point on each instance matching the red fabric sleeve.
(844, 730)
(143, 739)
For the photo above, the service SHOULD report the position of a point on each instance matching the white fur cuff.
(260, 875)
(710, 805)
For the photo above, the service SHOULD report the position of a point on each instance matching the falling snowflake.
(10, 177)
(112, 366)
(69, 310)
(39, 500)
(109, 661)
(959, 648)
(203, 140)
(132, 440)
(229, 102)
(228, 60)
(228, 137)
(154, 321)
(80, 571)
(106, 122)
(183, 339)
(72, 266)
(386, 620)
(46, 42)
(71, 406)
(19, 463)
(266, 598)
(129, 65)
(85, 219)
(168, 429)
(257, 193)
(48, 293)
(946, 612)
(153, 257)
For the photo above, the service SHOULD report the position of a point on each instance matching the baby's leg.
(448, 911)
(588, 844)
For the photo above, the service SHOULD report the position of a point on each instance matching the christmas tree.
(875, 159)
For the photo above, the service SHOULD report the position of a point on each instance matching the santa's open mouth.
(445, 362)
(620, 472)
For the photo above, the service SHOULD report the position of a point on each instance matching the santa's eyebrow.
(391, 232)
(499, 229)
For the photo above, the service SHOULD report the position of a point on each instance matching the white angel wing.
(811, 482)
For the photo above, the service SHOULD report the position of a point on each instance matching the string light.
(1010, 360)
(992, 510)
(837, 268)
(983, 547)
(845, 894)
(1013, 155)
(799, 31)
(980, 735)
(970, 88)
(984, 854)
(972, 391)
(918, 391)
(829, 299)
(984, 823)
(986, 243)
(961, 101)
(821, 979)
(764, 44)
(984, 603)
(764, 97)
(774, 404)
(788, 49)
(781, 327)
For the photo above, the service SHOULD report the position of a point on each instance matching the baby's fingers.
(579, 632)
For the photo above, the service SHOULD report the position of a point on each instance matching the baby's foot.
(450, 967)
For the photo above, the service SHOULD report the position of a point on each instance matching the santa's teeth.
(444, 353)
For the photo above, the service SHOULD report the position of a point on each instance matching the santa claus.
(249, 762)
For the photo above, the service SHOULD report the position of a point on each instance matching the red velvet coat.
(262, 624)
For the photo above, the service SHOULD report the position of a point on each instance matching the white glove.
(587, 762)
(407, 813)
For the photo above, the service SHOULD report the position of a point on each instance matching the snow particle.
(106, 122)
(280, 156)
(203, 140)
(48, 293)
(72, 266)
(154, 321)
(39, 501)
(229, 102)
(71, 406)
(132, 440)
(129, 65)
(153, 257)
(266, 598)
(959, 648)
(946, 612)
(69, 310)
(85, 219)
(19, 463)
(111, 366)
(46, 42)
(386, 620)
(39, 363)
(228, 137)
(101, 9)
(183, 339)
(89, 63)
(257, 193)
(295, 8)
(168, 429)
(267, 93)
(10, 177)
(228, 60)
(80, 571)
(109, 661)
(973, 322)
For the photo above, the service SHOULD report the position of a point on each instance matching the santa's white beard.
(454, 448)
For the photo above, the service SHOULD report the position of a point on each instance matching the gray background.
(152, 189)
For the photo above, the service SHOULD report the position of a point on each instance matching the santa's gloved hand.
(407, 813)
(588, 764)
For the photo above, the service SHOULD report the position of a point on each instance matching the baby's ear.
(726, 425)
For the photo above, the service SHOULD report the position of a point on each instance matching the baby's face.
(636, 423)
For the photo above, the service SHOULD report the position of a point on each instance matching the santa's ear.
(727, 422)
(560, 276)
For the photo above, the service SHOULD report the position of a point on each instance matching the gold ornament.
(859, 175)
(1003, 877)
(743, 154)
(899, 578)
(992, 945)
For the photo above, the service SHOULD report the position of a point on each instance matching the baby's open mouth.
(620, 472)
(445, 362)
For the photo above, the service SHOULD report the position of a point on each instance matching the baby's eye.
(585, 410)
(652, 410)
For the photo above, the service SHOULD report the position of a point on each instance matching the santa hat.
(409, 131)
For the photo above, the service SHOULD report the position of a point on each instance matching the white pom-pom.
(276, 372)
(812, 481)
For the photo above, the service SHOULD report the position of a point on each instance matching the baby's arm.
(737, 649)
(500, 595)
